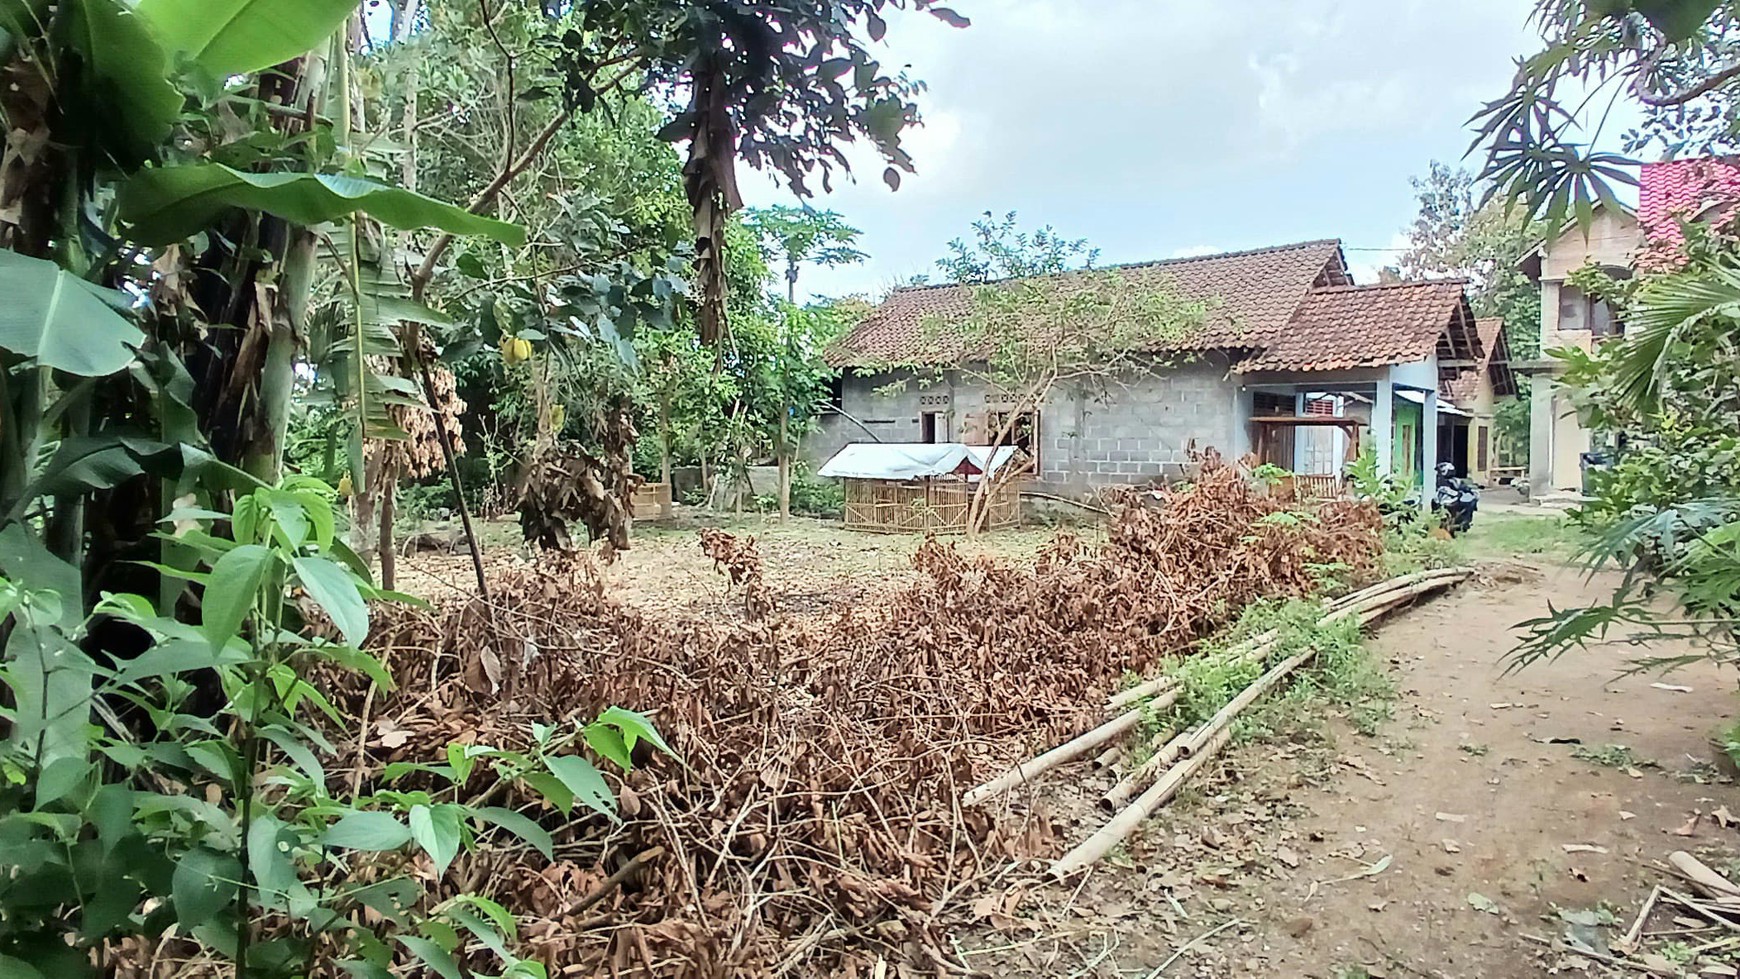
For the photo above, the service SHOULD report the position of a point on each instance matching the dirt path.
(1457, 810)
(1474, 803)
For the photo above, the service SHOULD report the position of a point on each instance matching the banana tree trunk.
(666, 505)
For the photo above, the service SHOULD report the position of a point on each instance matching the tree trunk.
(666, 504)
(389, 554)
(783, 456)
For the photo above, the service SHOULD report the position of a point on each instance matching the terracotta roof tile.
(1703, 188)
(1368, 326)
(1464, 388)
(1253, 295)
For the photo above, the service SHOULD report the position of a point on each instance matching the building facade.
(1286, 329)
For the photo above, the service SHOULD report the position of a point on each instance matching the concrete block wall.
(1133, 431)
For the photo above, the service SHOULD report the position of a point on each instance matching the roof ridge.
(1119, 266)
(1462, 281)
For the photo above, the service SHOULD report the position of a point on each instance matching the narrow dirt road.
(1502, 799)
(1487, 806)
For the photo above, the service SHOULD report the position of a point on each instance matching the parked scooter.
(1456, 499)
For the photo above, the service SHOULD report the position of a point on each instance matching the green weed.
(1470, 748)
(1609, 756)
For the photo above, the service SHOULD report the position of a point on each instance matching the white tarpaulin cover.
(911, 460)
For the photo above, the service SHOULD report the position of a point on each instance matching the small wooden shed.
(922, 487)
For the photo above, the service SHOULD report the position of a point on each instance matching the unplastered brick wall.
(1132, 430)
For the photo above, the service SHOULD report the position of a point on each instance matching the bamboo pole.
(1109, 757)
(1708, 882)
(1169, 749)
(1124, 823)
(1197, 748)
(1051, 759)
(1203, 743)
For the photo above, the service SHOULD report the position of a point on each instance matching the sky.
(1164, 128)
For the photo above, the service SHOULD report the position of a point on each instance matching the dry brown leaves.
(813, 823)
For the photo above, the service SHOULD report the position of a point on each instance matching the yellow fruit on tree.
(515, 350)
(344, 486)
(558, 415)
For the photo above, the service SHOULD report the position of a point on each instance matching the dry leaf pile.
(813, 823)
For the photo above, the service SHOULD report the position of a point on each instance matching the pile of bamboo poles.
(1178, 755)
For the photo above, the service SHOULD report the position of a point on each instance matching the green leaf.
(236, 37)
(1677, 20)
(635, 727)
(62, 320)
(170, 204)
(270, 844)
(60, 777)
(555, 793)
(11, 968)
(433, 955)
(610, 744)
(205, 882)
(519, 826)
(128, 103)
(174, 656)
(229, 595)
(334, 590)
(436, 830)
(585, 782)
(25, 562)
(372, 832)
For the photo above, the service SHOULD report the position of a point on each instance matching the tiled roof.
(1464, 388)
(1703, 188)
(1252, 296)
(1372, 326)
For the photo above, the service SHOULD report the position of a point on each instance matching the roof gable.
(1252, 293)
(1345, 327)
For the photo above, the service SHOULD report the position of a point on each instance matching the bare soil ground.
(1454, 842)
(1436, 848)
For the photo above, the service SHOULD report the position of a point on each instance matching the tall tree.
(1458, 232)
(801, 236)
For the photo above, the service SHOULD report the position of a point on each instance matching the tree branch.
(1640, 85)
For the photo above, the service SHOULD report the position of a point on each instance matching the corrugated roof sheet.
(1369, 326)
(1253, 294)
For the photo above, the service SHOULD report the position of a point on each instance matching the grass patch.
(1342, 676)
(1516, 535)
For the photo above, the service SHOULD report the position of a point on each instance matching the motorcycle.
(1456, 499)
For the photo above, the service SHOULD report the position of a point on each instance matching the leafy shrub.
(225, 825)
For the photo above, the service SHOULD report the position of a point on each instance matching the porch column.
(1540, 435)
(1300, 435)
(1244, 406)
(1383, 423)
(1429, 449)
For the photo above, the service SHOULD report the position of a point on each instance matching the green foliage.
(227, 825)
(164, 205)
(1668, 55)
(816, 497)
(1459, 233)
(61, 321)
(999, 250)
(800, 235)
(235, 37)
(1341, 674)
(1608, 756)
